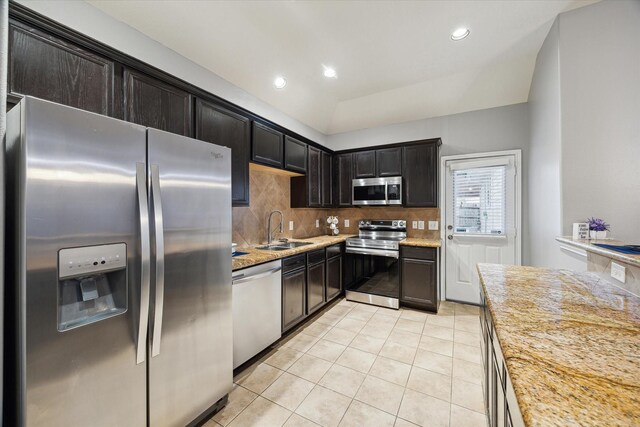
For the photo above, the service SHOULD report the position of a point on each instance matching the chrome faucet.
(269, 230)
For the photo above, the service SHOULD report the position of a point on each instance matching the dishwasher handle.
(243, 279)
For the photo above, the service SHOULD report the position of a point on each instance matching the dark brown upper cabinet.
(295, 155)
(364, 164)
(47, 67)
(315, 190)
(220, 126)
(306, 191)
(156, 104)
(389, 162)
(343, 178)
(419, 273)
(420, 173)
(267, 146)
(327, 180)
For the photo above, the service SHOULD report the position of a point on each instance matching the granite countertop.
(258, 256)
(571, 344)
(588, 246)
(424, 243)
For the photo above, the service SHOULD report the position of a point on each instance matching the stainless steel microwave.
(377, 191)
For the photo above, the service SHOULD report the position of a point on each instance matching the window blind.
(479, 200)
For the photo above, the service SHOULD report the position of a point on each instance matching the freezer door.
(190, 364)
(73, 184)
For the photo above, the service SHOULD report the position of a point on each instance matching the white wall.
(493, 129)
(89, 20)
(600, 102)
(545, 209)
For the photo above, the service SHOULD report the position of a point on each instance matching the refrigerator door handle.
(145, 258)
(156, 200)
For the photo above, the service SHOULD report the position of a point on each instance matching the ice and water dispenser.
(92, 284)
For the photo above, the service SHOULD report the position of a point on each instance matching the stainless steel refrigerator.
(120, 279)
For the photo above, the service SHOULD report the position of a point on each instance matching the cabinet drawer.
(293, 263)
(418, 253)
(315, 257)
(334, 250)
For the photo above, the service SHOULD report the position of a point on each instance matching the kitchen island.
(566, 348)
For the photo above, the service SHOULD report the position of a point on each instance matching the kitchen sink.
(282, 246)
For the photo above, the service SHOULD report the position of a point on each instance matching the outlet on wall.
(414, 225)
(420, 225)
(618, 272)
(317, 223)
(290, 225)
(433, 225)
(346, 223)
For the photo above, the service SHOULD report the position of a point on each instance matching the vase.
(598, 235)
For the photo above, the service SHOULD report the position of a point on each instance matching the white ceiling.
(395, 60)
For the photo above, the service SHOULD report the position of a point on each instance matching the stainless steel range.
(375, 255)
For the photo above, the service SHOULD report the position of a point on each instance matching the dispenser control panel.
(87, 260)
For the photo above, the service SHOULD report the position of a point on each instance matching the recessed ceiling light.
(459, 34)
(330, 73)
(279, 82)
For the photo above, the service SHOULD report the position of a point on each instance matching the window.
(479, 200)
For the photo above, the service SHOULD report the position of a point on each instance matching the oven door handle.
(374, 252)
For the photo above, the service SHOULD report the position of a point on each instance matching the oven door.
(369, 191)
(376, 276)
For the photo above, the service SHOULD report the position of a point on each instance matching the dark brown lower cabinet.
(418, 275)
(334, 277)
(294, 287)
(315, 285)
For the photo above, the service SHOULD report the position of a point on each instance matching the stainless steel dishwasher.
(257, 309)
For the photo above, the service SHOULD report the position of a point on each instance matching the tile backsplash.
(271, 191)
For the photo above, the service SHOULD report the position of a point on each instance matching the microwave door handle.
(145, 261)
(156, 200)
(386, 193)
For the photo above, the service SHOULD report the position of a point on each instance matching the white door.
(481, 219)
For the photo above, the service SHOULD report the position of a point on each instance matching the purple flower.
(597, 224)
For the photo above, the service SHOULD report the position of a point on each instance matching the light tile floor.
(360, 365)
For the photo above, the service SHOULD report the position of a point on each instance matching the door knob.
(450, 237)
(449, 227)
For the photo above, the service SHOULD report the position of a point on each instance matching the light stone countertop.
(571, 344)
(423, 243)
(587, 245)
(258, 256)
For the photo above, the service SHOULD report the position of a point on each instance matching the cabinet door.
(418, 287)
(293, 298)
(389, 162)
(344, 175)
(315, 287)
(364, 164)
(295, 155)
(420, 172)
(334, 277)
(267, 145)
(223, 127)
(153, 103)
(314, 183)
(327, 180)
(46, 67)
